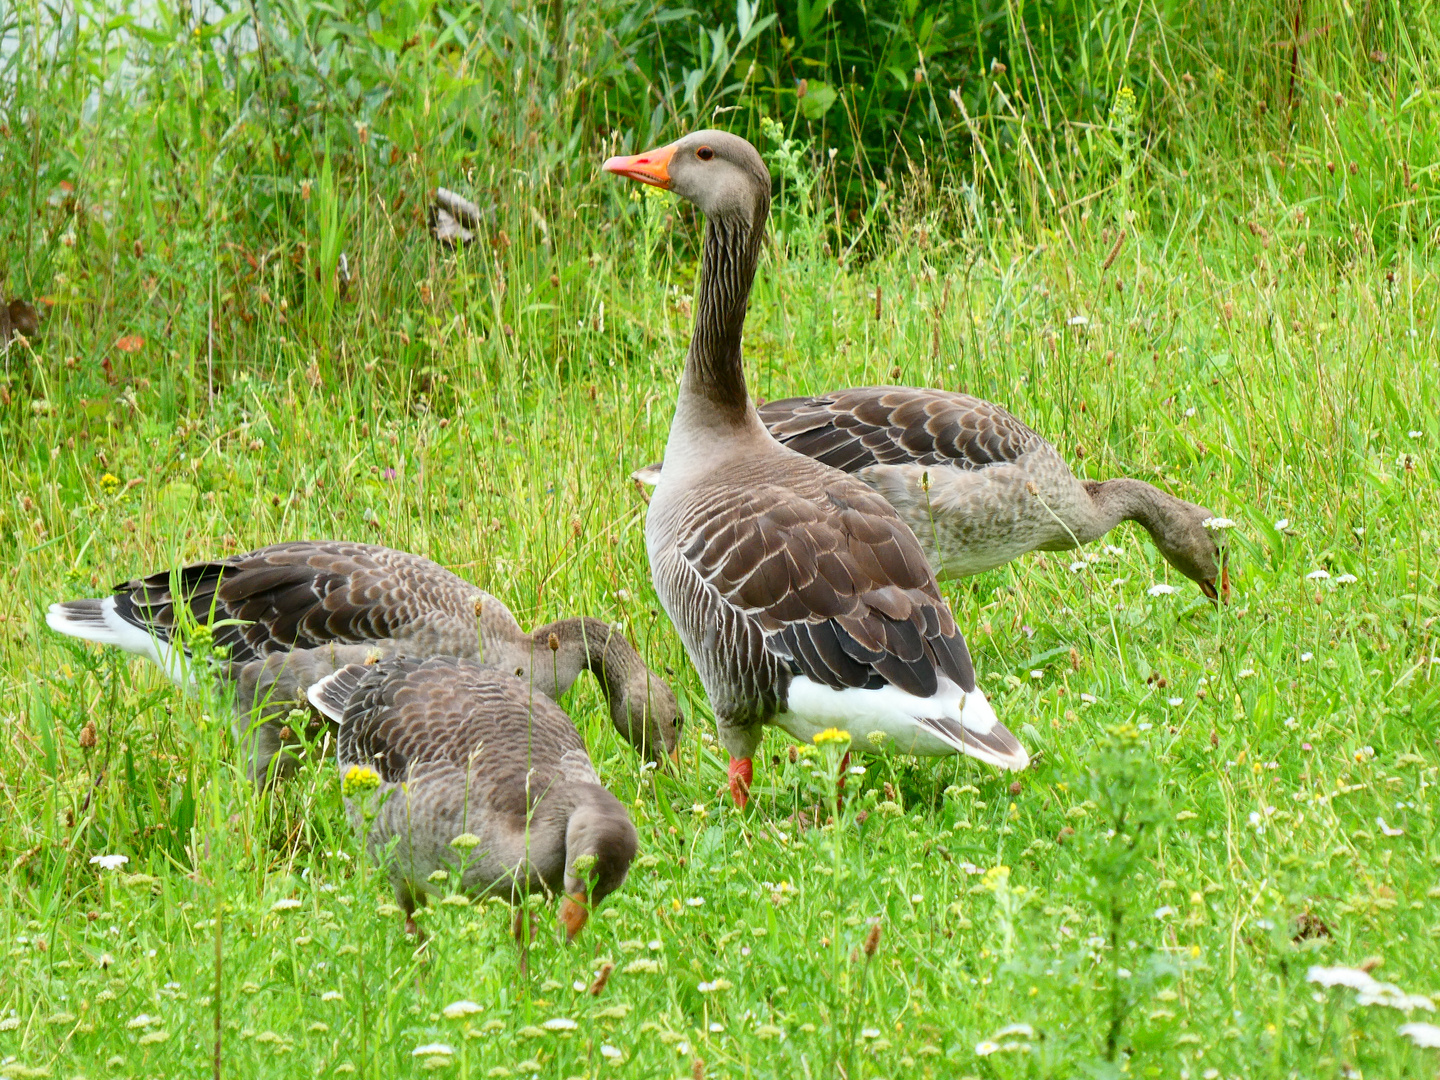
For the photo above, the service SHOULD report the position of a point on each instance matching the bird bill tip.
(574, 914)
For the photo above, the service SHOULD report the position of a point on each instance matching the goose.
(290, 614)
(449, 747)
(977, 486)
(802, 598)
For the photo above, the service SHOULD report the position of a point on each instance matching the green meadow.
(1212, 266)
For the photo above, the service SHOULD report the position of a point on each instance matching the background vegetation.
(1189, 242)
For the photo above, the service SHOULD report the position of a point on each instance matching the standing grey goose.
(461, 748)
(802, 598)
(977, 486)
(290, 614)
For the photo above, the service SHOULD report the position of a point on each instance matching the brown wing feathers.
(841, 591)
(297, 595)
(891, 425)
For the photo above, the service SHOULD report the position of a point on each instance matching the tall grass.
(1176, 286)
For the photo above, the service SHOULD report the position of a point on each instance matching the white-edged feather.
(331, 694)
(98, 621)
(947, 722)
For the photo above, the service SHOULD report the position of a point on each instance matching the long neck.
(565, 648)
(713, 385)
(1114, 501)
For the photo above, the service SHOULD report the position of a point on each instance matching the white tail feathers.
(331, 694)
(100, 622)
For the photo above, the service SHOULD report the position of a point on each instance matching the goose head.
(600, 842)
(1182, 538)
(646, 715)
(721, 173)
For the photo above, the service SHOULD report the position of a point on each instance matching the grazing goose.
(801, 596)
(462, 748)
(960, 470)
(292, 613)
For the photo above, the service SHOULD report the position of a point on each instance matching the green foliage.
(1202, 302)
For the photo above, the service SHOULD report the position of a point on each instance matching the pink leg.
(742, 773)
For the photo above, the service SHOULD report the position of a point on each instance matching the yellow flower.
(109, 483)
(359, 780)
(831, 735)
(995, 877)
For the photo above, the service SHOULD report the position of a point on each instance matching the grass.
(1226, 797)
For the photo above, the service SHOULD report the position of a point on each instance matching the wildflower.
(1023, 1030)
(433, 1050)
(1392, 997)
(1036, 673)
(1077, 566)
(109, 862)
(1354, 978)
(1088, 699)
(1306, 657)
(1111, 549)
(1318, 575)
(1346, 579)
(831, 735)
(642, 967)
(1364, 753)
(695, 901)
(610, 1053)
(1077, 320)
(151, 1037)
(109, 483)
(1248, 673)
(142, 1021)
(1175, 702)
(1160, 589)
(1416, 434)
(717, 985)
(1186, 815)
(878, 739)
(857, 770)
(466, 841)
(559, 1023)
(1422, 1034)
(1164, 912)
(1386, 829)
(700, 811)
(716, 1029)
(1282, 524)
(332, 995)
(359, 780)
(769, 1031)
(985, 1048)
(289, 903)
(1217, 524)
(458, 1010)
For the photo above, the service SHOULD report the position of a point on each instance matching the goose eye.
(705, 153)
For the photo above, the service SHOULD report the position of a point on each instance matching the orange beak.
(675, 757)
(573, 914)
(651, 167)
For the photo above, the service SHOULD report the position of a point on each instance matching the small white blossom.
(1175, 702)
(1422, 1034)
(1306, 657)
(1416, 434)
(1217, 524)
(1084, 320)
(1160, 589)
(141, 1021)
(1089, 699)
(610, 1053)
(109, 862)
(1164, 912)
(1318, 575)
(695, 901)
(458, 1009)
(1077, 566)
(332, 995)
(433, 1050)
(1354, 978)
(985, 1048)
(1346, 579)
(1282, 524)
(289, 903)
(559, 1023)
(1190, 411)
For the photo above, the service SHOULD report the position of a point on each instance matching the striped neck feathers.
(714, 369)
